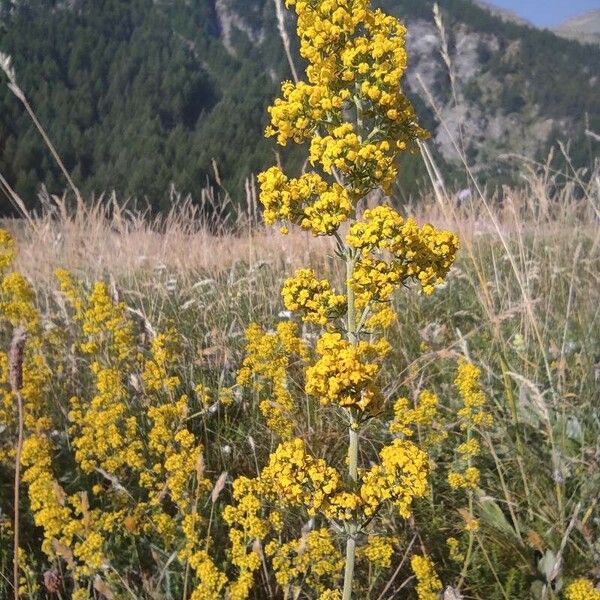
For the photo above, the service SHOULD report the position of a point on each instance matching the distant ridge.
(503, 13)
(583, 28)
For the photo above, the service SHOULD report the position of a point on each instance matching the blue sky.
(546, 13)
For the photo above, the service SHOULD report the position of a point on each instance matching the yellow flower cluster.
(454, 550)
(36, 382)
(345, 373)
(164, 353)
(105, 435)
(313, 561)
(343, 506)
(400, 477)
(37, 377)
(468, 479)
(47, 499)
(314, 298)
(7, 412)
(302, 108)
(474, 400)
(105, 322)
(308, 201)
(362, 163)
(582, 589)
(423, 415)
(175, 455)
(266, 370)
(299, 479)
(7, 249)
(212, 581)
(331, 595)
(247, 529)
(66, 521)
(465, 475)
(70, 291)
(374, 280)
(472, 414)
(17, 301)
(356, 59)
(379, 550)
(323, 25)
(424, 254)
(429, 585)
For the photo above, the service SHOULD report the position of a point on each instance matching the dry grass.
(521, 302)
(107, 239)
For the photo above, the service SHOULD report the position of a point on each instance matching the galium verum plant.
(352, 115)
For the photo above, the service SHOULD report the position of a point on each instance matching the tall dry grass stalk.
(13, 86)
(280, 13)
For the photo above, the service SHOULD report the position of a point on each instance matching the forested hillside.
(139, 94)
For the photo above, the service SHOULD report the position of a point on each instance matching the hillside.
(140, 94)
(503, 13)
(584, 28)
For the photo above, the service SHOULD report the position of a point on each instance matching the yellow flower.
(265, 370)
(343, 506)
(164, 353)
(356, 56)
(429, 585)
(312, 561)
(474, 400)
(379, 550)
(331, 595)
(582, 589)
(307, 201)
(211, 580)
(454, 550)
(46, 497)
(345, 373)
(17, 301)
(7, 249)
(104, 434)
(424, 254)
(423, 415)
(468, 480)
(400, 478)
(314, 298)
(298, 478)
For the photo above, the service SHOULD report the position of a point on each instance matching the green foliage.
(135, 95)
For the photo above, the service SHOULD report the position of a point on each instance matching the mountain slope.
(584, 28)
(139, 94)
(503, 13)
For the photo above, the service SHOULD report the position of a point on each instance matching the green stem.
(351, 324)
(352, 438)
(349, 570)
(467, 563)
(352, 527)
(353, 454)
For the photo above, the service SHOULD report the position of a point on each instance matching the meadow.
(521, 303)
(374, 401)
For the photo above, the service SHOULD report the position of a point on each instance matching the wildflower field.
(366, 401)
